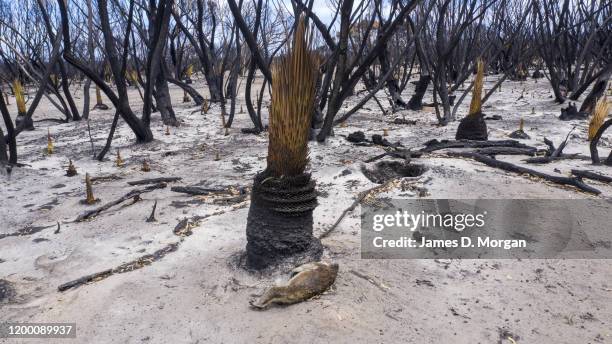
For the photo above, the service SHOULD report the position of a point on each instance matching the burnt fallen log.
(405, 154)
(130, 195)
(105, 178)
(506, 166)
(531, 151)
(592, 176)
(197, 190)
(25, 231)
(155, 180)
(127, 267)
(548, 159)
(435, 145)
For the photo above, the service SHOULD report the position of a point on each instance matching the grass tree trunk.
(473, 126)
(279, 224)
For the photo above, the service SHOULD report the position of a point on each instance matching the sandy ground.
(197, 295)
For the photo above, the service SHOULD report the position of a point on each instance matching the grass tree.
(473, 126)
(279, 223)
(21, 106)
(597, 127)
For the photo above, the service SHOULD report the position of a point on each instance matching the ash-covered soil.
(196, 294)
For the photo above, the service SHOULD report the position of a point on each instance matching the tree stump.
(472, 127)
(279, 223)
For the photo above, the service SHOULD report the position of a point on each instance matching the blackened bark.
(10, 133)
(249, 39)
(158, 28)
(416, 101)
(598, 90)
(195, 95)
(595, 141)
(472, 127)
(86, 99)
(25, 121)
(251, 72)
(3, 153)
(120, 100)
(163, 101)
(279, 223)
(232, 86)
(392, 84)
(341, 66)
(109, 139)
(74, 112)
(589, 102)
(92, 60)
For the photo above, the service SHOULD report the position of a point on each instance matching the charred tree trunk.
(109, 139)
(159, 18)
(163, 100)
(10, 134)
(92, 61)
(341, 67)
(248, 100)
(595, 141)
(3, 153)
(141, 130)
(195, 95)
(279, 223)
(416, 101)
(73, 111)
(392, 85)
(598, 90)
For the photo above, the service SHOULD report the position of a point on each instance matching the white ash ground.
(194, 295)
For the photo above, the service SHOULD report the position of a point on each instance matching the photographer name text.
(408, 242)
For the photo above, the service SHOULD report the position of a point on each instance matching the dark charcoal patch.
(387, 170)
(7, 291)
(519, 134)
(58, 186)
(356, 137)
(602, 243)
(472, 128)
(571, 113)
(404, 121)
(423, 282)
(24, 231)
(184, 204)
(37, 240)
(2, 260)
(379, 140)
(253, 131)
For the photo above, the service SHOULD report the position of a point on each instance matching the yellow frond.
(599, 116)
(19, 97)
(292, 105)
(475, 105)
(49, 143)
